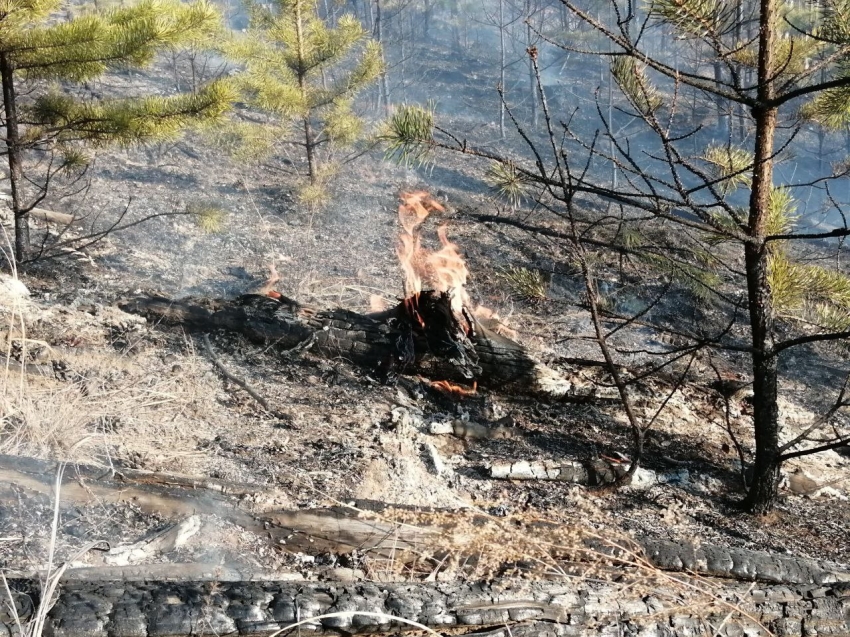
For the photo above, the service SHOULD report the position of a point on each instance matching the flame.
(444, 269)
(455, 390)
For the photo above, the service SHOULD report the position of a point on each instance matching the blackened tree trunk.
(426, 19)
(532, 80)
(13, 148)
(764, 486)
(719, 101)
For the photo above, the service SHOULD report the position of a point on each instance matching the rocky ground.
(109, 389)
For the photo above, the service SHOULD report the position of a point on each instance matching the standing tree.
(37, 50)
(300, 69)
(719, 208)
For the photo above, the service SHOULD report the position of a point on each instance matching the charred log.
(570, 607)
(427, 339)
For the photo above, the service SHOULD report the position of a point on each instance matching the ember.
(455, 390)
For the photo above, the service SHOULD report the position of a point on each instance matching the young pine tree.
(38, 51)
(299, 68)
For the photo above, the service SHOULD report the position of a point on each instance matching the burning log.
(388, 343)
(433, 332)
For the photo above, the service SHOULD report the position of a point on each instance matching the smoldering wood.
(385, 343)
(507, 607)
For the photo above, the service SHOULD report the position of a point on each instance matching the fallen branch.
(380, 530)
(160, 543)
(592, 473)
(51, 216)
(235, 379)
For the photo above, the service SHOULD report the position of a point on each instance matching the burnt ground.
(124, 393)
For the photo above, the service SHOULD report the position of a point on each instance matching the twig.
(253, 394)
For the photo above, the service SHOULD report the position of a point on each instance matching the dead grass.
(91, 420)
(106, 405)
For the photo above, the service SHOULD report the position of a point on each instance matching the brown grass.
(107, 405)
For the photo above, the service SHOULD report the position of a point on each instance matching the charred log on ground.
(570, 607)
(386, 530)
(426, 338)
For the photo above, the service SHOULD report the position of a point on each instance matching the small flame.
(455, 390)
(444, 269)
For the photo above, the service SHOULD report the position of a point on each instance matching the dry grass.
(91, 420)
(106, 405)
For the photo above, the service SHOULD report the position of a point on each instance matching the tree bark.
(508, 607)
(309, 137)
(379, 36)
(532, 79)
(502, 67)
(13, 148)
(765, 483)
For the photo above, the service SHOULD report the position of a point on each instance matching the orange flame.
(455, 390)
(444, 269)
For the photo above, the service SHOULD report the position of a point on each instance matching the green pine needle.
(781, 212)
(131, 121)
(209, 217)
(410, 135)
(733, 166)
(507, 181)
(526, 283)
(633, 82)
(693, 18)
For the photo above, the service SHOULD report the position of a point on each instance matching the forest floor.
(124, 393)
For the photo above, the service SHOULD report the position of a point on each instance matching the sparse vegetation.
(526, 283)
(209, 217)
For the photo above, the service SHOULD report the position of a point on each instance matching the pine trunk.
(502, 66)
(719, 101)
(310, 145)
(13, 147)
(763, 488)
(532, 80)
(309, 137)
(379, 36)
